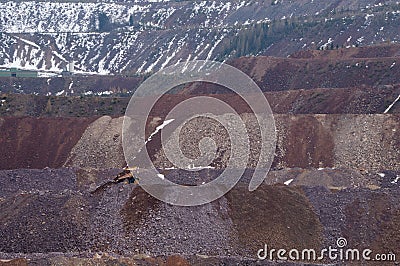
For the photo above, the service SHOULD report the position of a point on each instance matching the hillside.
(376, 66)
(358, 100)
(330, 71)
(142, 37)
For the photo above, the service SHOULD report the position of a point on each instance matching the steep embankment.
(364, 142)
(348, 68)
(28, 142)
(358, 100)
(71, 86)
(277, 74)
(144, 36)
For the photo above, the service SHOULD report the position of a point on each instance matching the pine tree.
(131, 21)
(104, 22)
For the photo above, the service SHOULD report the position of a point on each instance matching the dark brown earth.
(80, 84)
(28, 142)
(362, 142)
(357, 100)
(343, 68)
(124, 220)
(59, 214)
(375, 51)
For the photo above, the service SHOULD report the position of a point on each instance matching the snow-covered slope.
(34, 16)
(107, 52)
(148, 35)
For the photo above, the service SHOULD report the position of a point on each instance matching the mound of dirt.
(99, 146)
(123, 220)
(362, 142)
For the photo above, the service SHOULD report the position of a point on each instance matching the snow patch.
(104, 93)
(59, 56)
(287, 183)
(325, 45)
(70, 86)
(160, 127)
(390, 106)
(28, 42)
(349, 39)
(198, 168)
(396, 180)
(60, 93)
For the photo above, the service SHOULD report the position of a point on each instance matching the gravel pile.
(124, 220)
(203, 230)
(100, 146)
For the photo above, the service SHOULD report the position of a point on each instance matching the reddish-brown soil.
(355, 141)
(259, 215)
(15, 262)
(376, 51)
(384, 234)
(277, 74)
(80, 84)
(307, 136)
(28, 142)
(357, 100)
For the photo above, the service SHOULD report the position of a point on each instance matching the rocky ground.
(61, 217)
(362, 142)
(335, 173)
(333, 176)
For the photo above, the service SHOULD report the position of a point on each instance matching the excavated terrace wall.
(365, 142)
